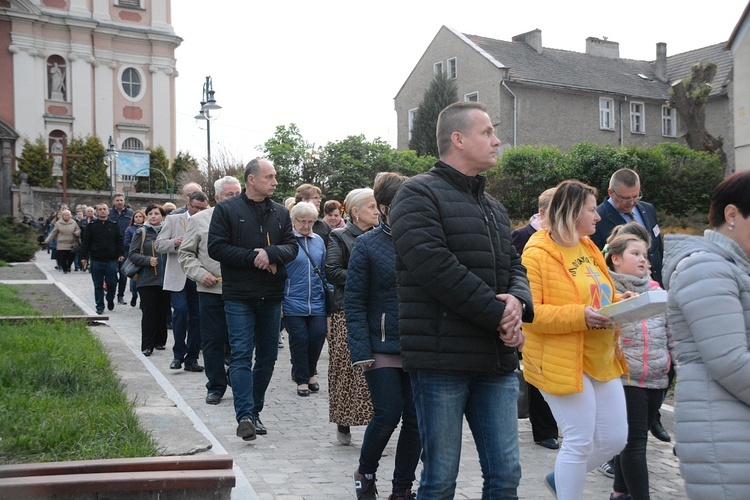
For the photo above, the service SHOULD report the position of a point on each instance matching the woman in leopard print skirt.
(348, 396)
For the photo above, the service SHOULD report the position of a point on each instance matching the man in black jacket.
(102, 240)
(463, 295)
(251, 237)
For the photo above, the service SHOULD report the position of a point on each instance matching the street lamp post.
(209, 111)
(112, 155)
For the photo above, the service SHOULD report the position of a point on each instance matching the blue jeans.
(489, 402)
(390, 389)
(253, 325)
(213, 339)
(102, 272)
(186, 327)
(307, 335)
(122, 280)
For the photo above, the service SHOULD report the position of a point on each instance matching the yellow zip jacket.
(554, 348)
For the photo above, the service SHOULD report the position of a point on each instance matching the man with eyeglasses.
(184, 294)
(624, 205)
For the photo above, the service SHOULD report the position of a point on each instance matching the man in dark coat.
(624, 205)
(463, 294)
(251, 237)
(103, 246)
(122, 216)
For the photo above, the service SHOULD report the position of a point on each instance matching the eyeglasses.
(304, 222)
(634, 199)
(197, 208)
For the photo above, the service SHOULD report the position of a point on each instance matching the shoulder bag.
(130, 269)
(330, 302)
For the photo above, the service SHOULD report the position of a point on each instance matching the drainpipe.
(515, 112)
(622, 131)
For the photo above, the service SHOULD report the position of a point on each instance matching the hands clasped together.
(510, 323)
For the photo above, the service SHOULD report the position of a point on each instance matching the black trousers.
(631, 470)
(154, 311)
(543, 424)
(65, 259)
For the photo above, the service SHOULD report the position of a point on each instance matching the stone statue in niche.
(57, 150)
(56, 83)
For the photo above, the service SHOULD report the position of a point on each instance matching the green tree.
(290, 153)
(441, 93)
(352, 163)
(90, 172)
(407, 162)
(184, 161)
(35, 163)
(155, 182)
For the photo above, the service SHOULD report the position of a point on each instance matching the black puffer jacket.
(239, 225)
(337, 259)
(453, 255)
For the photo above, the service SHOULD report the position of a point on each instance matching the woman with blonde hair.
(571, 352)
(136, 222)
(349, 398)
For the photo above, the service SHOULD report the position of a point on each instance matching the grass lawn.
(59, 396)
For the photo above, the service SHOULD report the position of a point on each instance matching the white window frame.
(668, 121)
(468, 97)
(606, 113)
(412, 117)
(437, 68)
(452, 68)
(130, 4)
(637, 117)
(143, 83)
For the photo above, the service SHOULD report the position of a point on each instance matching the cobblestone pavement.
(300, 457)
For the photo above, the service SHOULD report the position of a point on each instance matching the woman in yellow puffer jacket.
(571, 352)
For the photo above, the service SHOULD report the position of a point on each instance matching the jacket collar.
(461, 181)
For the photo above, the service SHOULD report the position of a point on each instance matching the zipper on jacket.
(489, 236)
(382, 327)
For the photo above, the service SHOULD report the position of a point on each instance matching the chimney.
(533, 39)
(660, 66)
(602, 48)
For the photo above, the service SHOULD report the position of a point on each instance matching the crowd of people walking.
(427, 299)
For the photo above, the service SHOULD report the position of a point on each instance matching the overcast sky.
(333, 67)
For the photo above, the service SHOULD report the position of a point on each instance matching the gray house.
(542, 96)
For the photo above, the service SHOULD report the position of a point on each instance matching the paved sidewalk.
(300, 457)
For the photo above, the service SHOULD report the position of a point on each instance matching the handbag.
(330, 300)
(130, 269)
(76, 248)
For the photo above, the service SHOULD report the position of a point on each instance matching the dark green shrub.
(593, 164)
(525, 172)
(674, 178)
(688, 181)
(19, 241)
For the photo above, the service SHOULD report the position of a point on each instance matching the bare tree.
(689, 97)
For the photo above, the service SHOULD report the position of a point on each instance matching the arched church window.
(132, 144)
